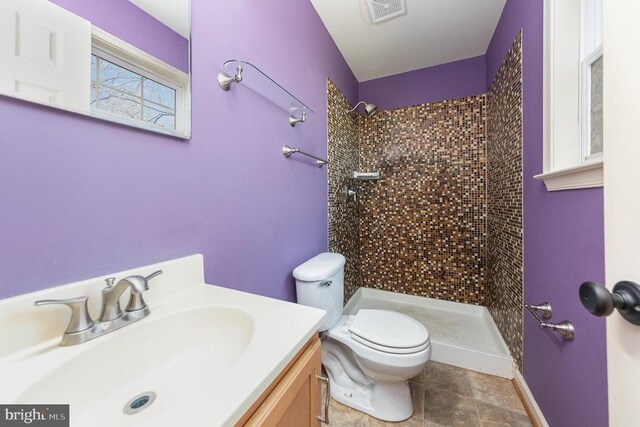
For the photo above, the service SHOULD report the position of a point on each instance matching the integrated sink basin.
(167, 355)
(202, 356)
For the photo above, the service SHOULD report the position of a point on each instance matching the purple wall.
(447, 81)
(82, 197)
(128, 22)
(563, 246)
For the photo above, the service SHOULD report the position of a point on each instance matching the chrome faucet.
(111, 295)
(82, 328)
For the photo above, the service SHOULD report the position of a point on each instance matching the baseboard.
(533, 410)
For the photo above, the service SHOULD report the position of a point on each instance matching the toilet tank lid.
(319, 267)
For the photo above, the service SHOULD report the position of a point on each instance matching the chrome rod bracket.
(544, 309)
(294, 121)
(225, 80)
(288, 151)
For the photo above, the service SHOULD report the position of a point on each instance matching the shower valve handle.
(350, 194)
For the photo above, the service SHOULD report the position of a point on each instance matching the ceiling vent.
(382, 10)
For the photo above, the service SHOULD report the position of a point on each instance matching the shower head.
(370, 109)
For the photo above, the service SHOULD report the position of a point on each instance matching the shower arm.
(354, 108)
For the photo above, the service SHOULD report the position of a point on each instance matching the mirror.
(125, 61)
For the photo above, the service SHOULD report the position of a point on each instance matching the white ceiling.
(432, 32)
(172, 13)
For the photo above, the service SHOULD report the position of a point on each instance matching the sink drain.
(139, 403)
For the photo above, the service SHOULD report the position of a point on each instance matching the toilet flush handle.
(325, 283)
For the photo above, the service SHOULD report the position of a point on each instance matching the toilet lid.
(389, 329)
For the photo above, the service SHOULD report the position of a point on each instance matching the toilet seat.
(391, 350)
(388, 331)
(381, 334)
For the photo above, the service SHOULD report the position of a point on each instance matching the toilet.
(369, 356)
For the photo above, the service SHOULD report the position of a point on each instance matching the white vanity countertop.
(274, 332)
(281, 331)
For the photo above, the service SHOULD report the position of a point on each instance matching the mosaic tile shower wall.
(423, 224)
(343, 160)
(504, 200)
(445, 219)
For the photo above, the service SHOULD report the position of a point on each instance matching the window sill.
(584, 176)
(137, 124)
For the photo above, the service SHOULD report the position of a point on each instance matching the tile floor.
(447, 396)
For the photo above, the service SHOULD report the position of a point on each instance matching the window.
(132, 86)
(592, 131)
(117, 90)
(573, 113)
(591, 75)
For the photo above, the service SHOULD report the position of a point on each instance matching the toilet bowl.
(369, 356)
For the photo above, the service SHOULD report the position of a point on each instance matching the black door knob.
(600, 302)
(596, 299)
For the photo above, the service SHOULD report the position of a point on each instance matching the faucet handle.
(110, 281)
(152, 275)
(136, 302)
(80, 318)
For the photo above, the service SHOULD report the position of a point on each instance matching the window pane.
(159, 115)
(94, 95)
(154, 91)
(597, 131)
(120, 78)
(94, 62)
(119, 103)
(126, 93)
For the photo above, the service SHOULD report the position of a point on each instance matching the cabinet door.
(296, 399)
(45, 54)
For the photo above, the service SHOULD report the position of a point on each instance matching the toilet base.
(387, 401)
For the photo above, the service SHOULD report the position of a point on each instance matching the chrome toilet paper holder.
(564, 328)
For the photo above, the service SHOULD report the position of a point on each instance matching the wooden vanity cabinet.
(293, 399)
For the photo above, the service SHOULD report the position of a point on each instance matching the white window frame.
(585, 108)
(564, 165)
(111, 48)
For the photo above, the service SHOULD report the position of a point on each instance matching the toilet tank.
(320, 284)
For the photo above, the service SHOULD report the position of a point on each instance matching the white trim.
(591, 21)
(588, 175)
(547, 87)
(531, 402)
(143, 63)
(561, 98)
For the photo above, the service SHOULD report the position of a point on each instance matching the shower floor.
(462, 335)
